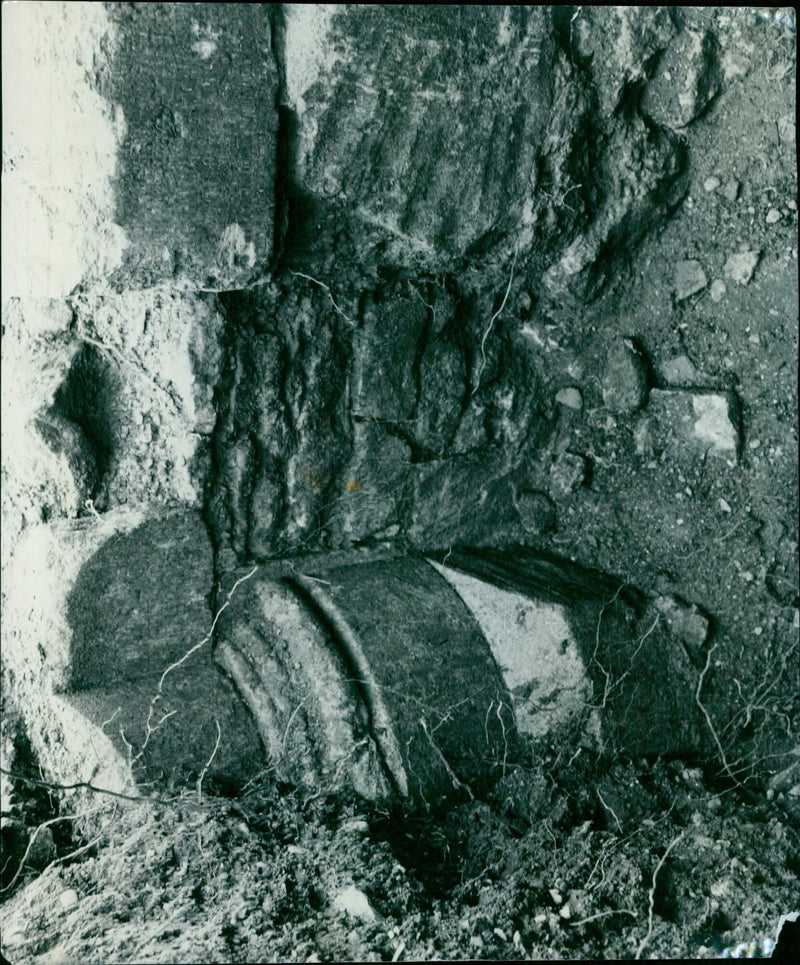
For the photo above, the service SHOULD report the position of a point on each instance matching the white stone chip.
(68, 899)
(713, 426)
(718, 289)
(355, 903)
(741, 266)
(569, 397)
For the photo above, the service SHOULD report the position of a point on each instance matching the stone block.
(98, 612)
(143, 138)
(401, 112)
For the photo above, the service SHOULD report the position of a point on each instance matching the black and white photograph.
(399, 483)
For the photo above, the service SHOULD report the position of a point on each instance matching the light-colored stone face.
(115, 161)
(60, 144)
(713, 426)
(534, 646)
(687, 423)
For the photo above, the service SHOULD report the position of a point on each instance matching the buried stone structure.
(391, 675)
(317, 313)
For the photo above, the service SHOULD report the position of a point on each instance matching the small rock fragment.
(679, 371)
(355, 903)
(568, 473)
(740, 267)
(718, 289)
(68, 899)
(731, 190)
(724, 505)
(690, 423)
(537, 511)
(711, 184)
(773, 215)
(624, 377)
(787, 128)
(689, 279)
(570, 397)
(355, 826)
(713, 424)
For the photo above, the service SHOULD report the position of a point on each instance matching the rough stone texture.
(540, 660)
(624, 377)
(47, 468)
(429, 676)
(689, 279)
(142, 391)
(98, 609)
(60, 145)
(123, 151)
(193, 86)
(679, 371)
(470, 108)
(457, 196)
(620, 44)
(377, 150)
(741, 266)
(635, 660)
(688, 76)
(299, 690)
(568, 472)
(691, 423)
(331, 432)
(687, 622)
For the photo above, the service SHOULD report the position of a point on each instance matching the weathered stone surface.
(98, 611)
(687, 78)
(642, 680)
(354, 903)
(689, 423)
(194, 85)
(618, 42)
(689, 279)
(44, 474)
(533, 644)
(141, 390)
(438, 706)
(331, 432)
(478, 159)
(686, 621)
(570, 398)
(299, 690)
(679, 371)
(624, 377)
(466, 499)
(567, 473)
(60, 145)
(536, 510)
(125, 158)
(402, 113)
(741, 266)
